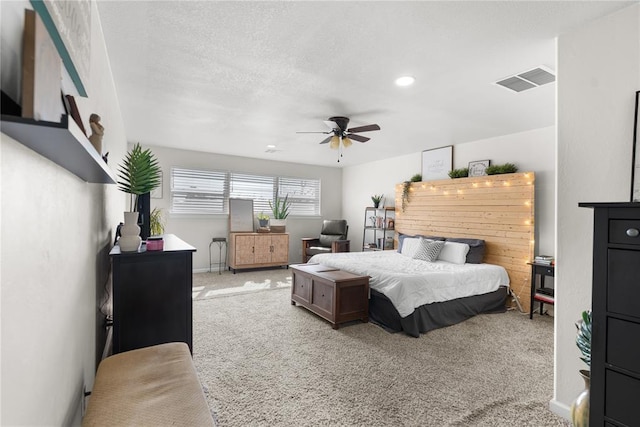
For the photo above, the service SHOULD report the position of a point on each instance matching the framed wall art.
(635, 157)
(437, 163)
(478, 167)
(156, 193)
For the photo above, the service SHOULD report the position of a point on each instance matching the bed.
(415, 295)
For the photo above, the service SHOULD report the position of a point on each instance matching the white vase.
(130, 233)
(278, 225)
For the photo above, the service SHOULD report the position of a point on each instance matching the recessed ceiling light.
(271, 146)
(405, 81)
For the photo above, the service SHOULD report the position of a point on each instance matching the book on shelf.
(544, 259)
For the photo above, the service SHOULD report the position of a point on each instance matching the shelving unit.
(63, 143)
(379, 228)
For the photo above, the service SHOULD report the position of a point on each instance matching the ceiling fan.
(340, 134)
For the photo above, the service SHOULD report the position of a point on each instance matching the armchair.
(333, 238)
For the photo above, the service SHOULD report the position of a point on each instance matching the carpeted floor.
(264, 362)
(212, 285)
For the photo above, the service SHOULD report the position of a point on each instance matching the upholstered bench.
(152, 386)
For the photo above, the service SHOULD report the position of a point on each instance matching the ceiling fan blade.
(331, 125)
(324, 141)
(366, 128)
(314, 132)
(358, 138)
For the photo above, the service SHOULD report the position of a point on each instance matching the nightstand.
(541, 294)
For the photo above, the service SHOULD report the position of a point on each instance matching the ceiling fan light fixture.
(335, 142)
(346, 142)
(405, 81)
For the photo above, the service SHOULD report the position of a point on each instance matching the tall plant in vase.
(138, 174)
(580, 406)
(280, 209)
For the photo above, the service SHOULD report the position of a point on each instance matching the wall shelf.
(62, 143)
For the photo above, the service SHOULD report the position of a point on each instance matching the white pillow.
(410, 246)
(428, 250)
(455, 253)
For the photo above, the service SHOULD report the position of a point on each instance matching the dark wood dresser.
(152, 295)
(615, 341)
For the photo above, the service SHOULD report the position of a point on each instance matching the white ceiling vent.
(528, 80)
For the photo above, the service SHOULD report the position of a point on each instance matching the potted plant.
(263, 219)
(580, 406)
(406, 187)
(138, 174)
(376, 199)
(156, 222)
(280, 209)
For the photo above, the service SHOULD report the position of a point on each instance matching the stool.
(220, 241)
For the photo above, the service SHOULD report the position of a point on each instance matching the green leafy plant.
(138, 174)
(500, 169)
(406, 188)
(459, 173)
(376, 199)
(280, 207)
(583, 338)
(263, 216)
(156, 222)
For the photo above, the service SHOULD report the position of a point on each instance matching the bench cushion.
(155, 385)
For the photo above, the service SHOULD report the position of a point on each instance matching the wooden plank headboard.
(496, 208)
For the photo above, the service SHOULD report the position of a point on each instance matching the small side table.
(542, 294)
(220, 241)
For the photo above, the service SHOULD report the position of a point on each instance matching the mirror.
(240, 215)
(635, 157)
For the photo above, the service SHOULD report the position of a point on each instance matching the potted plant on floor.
(138, 174)
(280, 209)
(580, 406)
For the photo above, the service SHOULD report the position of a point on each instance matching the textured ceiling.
(233, 77)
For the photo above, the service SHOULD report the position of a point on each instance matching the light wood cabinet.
(255, 250)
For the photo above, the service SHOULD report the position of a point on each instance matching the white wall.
(55, 234)
(598, 74)
(198, 230)
(531, 151)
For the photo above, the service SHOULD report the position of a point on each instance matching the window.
(304, 195)
(256, 187)
(199, 192)
(208, 192)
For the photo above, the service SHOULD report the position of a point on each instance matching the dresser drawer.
(623, 344)
(623, 286)
(624, 231)
(621, 398)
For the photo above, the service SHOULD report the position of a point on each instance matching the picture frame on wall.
(635, 157)
(437, 163)
(478, 167)
(156, 193)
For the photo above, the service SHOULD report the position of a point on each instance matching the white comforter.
(410, 283)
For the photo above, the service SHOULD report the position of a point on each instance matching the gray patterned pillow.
(428, 250)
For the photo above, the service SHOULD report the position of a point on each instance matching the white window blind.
(208, 192)
(304, 195)
(257, 187)
(198, 192)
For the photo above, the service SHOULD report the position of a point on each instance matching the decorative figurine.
(97, 132)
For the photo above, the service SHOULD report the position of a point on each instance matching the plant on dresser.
(138, 174)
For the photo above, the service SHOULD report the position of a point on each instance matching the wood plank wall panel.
(496, 208)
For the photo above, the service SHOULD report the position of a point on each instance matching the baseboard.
(560, 409)
(204, 270)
